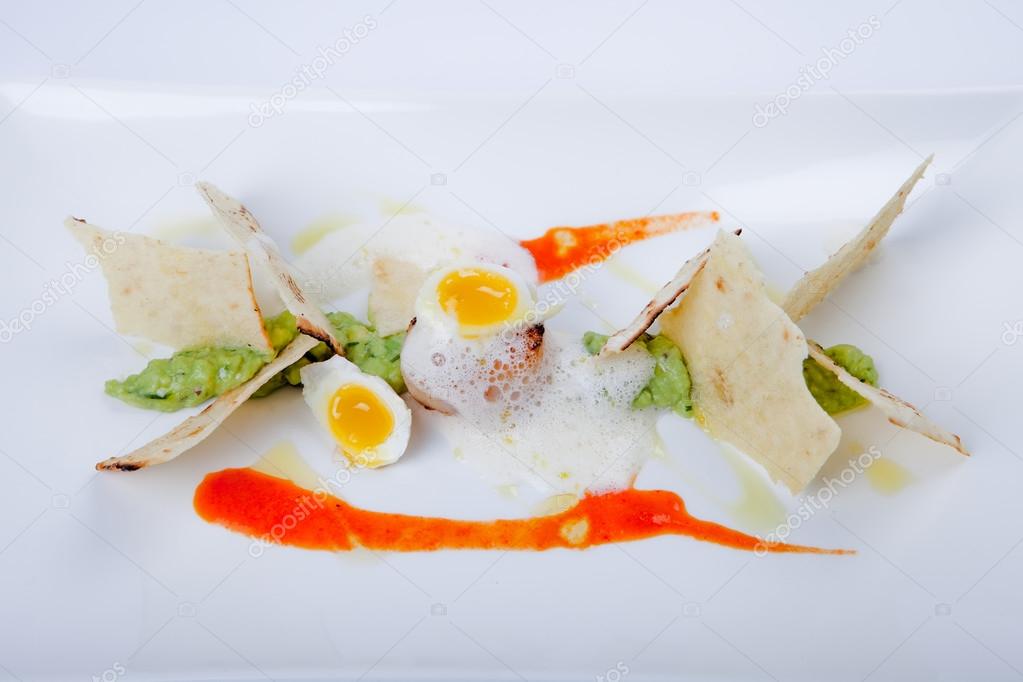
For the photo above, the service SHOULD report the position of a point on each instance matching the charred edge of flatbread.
(248, 219)
(234, 214)
(664, 299)
(652, 311)
(310, 329)
(125, 464)
(113, 465)
(196, 428)
(292, 285)
(269, 346)
(956, 443)
(878, 396)
(135, 461)
(307, 326)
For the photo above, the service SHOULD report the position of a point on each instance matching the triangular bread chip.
(195, 429)
(242, 225)
(392, 296)
(898, 411)
(745, 358)
(817, 284)
(175, 295)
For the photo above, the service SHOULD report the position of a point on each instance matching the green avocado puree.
(831, 394)
(187, 378)
(670, 387)
(372, 353)
(192, 376)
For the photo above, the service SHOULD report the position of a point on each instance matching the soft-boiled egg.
(522, 403)
(474, 299)
(534, 406)
(461, 312)
(366, 418)
(342, 262)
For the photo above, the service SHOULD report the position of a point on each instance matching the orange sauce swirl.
(276, 510)
(561, 250)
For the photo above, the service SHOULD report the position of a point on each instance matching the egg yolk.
(359, 419)
(477, 297)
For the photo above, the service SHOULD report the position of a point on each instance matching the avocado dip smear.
(670, 387)
(831, 394)
(192, 376)
(372, 353)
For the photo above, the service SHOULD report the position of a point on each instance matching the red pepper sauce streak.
(263, 506)
(564, 249)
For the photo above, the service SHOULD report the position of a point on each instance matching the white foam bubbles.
(536, 408)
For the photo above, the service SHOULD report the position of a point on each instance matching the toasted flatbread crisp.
(817, 284)
(899, 412)
(392, 295)
(243, 226)
(195, 429)
(174, 295)
(668, 294)
(745, 358)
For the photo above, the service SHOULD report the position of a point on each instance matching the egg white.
(430, 310)
(342, 262)
(534, 407)
(321, 380)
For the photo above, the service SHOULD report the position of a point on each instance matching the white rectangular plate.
(517, 118)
